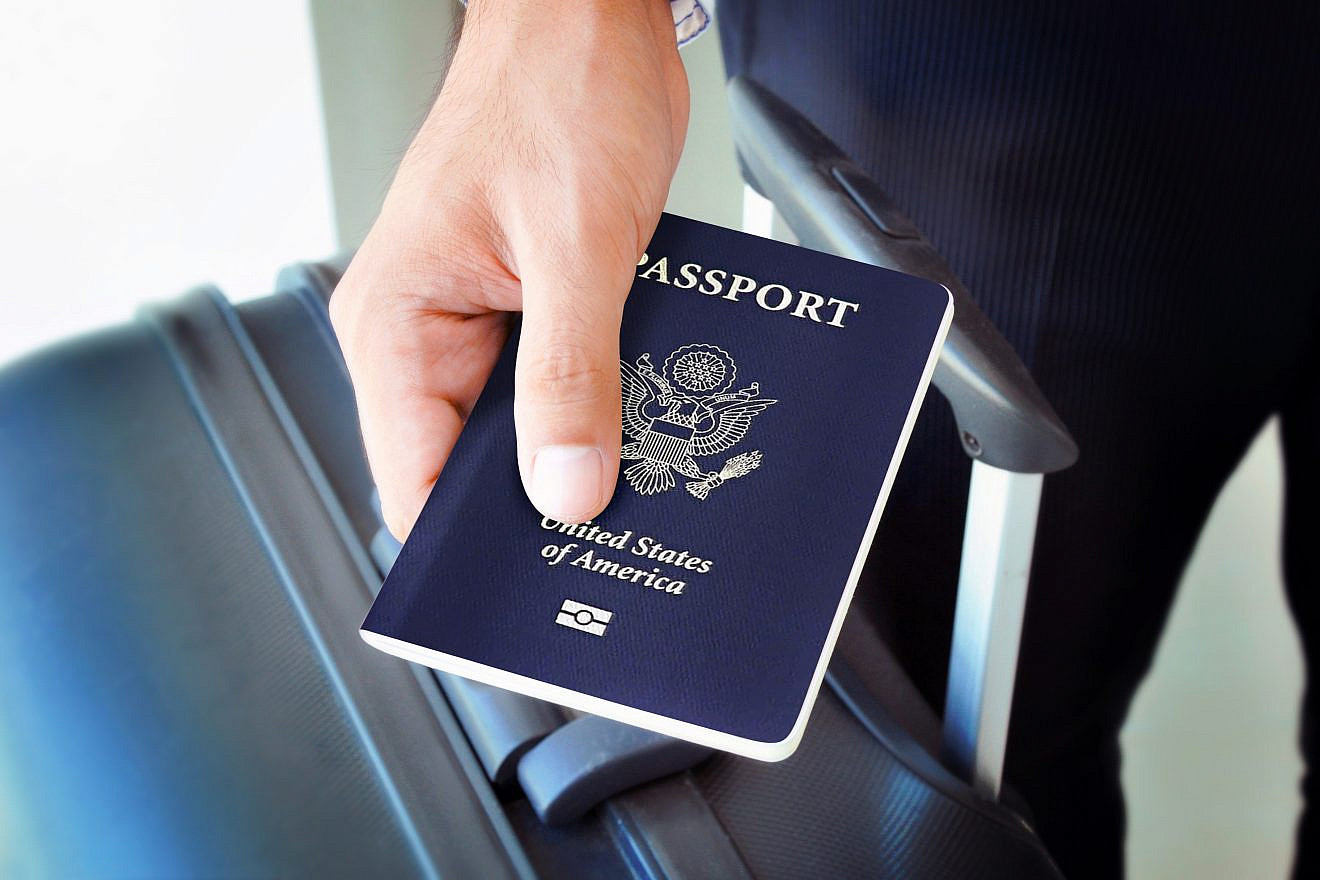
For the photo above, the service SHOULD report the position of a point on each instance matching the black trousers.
(1132, 193)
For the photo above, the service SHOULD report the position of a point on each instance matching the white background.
(148, 146)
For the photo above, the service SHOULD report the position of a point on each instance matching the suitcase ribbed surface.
(841, 807)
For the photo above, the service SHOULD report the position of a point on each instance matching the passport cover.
(768, 392)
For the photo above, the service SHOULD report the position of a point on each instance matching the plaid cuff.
(690, 19)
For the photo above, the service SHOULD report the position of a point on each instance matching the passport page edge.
(511, 681)
(873, 524)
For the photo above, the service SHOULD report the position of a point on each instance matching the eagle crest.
(683, 412)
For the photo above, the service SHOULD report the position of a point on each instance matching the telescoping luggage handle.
(1005, 424)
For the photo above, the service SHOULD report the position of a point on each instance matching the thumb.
(566, 396)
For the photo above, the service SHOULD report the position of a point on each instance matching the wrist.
(656, 13)
(486, 8)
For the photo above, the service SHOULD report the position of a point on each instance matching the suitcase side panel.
(146, 731)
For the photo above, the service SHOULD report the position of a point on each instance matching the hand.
(534, 184)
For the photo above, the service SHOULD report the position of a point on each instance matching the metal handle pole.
(1002, 507)
(758, 213)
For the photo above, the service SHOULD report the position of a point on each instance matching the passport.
(768, 393)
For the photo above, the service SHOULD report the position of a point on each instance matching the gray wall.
(379, 64)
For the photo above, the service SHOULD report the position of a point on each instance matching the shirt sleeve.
(690, 19)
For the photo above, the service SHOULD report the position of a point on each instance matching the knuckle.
(398, 526)
(345, 320)
(566, 372)
(340, 315)
(397, 520)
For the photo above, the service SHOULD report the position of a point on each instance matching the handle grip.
(832, 205)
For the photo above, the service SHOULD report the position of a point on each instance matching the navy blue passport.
(768, 392)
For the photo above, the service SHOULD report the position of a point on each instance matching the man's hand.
(534, 184)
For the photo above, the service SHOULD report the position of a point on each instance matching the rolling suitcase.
(189, 541)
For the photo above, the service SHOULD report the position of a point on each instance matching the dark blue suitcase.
(188, 543)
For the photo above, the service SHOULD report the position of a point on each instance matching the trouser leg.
(1301, 570)
(1133, 204)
